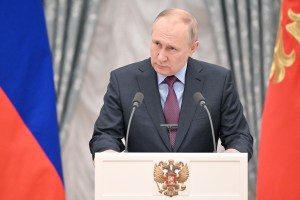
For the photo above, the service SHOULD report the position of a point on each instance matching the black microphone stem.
(199, 99)
(128, 128)
(212, 127)
(137, 100)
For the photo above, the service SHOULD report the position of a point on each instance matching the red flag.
(279, 150)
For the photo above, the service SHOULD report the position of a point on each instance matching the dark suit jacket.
(194, 132)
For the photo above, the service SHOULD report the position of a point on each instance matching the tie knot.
(170, 80)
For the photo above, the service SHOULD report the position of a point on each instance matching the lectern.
(168, 176)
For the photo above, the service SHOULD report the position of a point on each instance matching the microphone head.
(138, 99)
(199, 99)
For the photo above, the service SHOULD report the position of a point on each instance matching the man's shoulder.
(140, 65)
(207, 67)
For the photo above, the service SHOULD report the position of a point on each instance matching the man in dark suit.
(174, 40)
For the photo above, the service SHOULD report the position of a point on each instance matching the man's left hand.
(231, 151)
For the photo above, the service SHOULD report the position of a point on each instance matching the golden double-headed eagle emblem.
(170, 177)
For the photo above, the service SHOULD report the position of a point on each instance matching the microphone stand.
(169, 127)
(211, 126)
(137, 100)
(128, 128)
(200, 100)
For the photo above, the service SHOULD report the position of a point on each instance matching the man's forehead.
(170, 26)
(171, 20)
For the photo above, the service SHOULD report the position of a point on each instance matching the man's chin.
(161, 71)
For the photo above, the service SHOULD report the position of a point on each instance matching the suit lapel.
(193, 83)
(148, 84)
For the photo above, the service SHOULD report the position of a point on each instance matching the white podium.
(162, 176)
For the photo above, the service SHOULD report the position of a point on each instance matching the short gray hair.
(185, 17)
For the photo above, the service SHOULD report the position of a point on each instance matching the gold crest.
(170, 177)
(294, 27)
(281, 59)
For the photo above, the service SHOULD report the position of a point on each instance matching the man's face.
(170, 46)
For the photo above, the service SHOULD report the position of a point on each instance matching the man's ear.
(194, 47)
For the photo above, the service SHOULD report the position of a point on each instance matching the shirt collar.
(180, 75)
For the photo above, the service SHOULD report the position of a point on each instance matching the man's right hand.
(109, 151)
(106, 151)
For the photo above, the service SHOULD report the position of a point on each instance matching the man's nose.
(162, 57)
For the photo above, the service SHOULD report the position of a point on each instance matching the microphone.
(138, 99)
(200, 100)
(136, 102)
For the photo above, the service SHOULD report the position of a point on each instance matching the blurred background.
(90, 38)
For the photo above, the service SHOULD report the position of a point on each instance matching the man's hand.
(231, 151)
(109, 151)
(106, 151)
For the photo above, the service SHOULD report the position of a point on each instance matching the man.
(173, 41)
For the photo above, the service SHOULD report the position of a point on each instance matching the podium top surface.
(201, 156)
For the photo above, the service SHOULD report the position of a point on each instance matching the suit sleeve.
(109, 128)
(234, 132)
